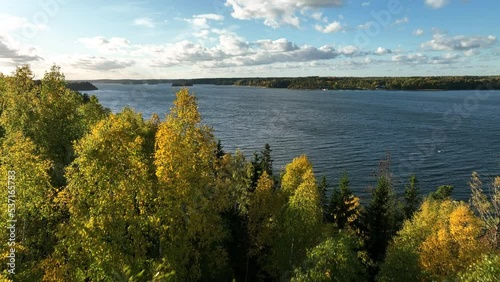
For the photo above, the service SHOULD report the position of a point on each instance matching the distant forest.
(340, 83)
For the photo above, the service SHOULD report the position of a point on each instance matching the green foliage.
(33, 207)
(344, 207)
(323, 188)
(300, 224)
(487, 269)
(411, 197)
(335, 259)
(262, 163)
(442, 193)
(50, 114)
(112, 197)
(110, 194)
(439, 242)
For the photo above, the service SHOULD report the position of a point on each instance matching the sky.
(250, 38)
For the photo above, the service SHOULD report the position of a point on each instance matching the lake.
(441, 136)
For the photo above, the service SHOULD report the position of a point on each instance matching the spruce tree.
(322, 187)
(343, 206)
(266, 161)
(380, 219)
(412, 198)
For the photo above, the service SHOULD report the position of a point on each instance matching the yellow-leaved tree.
(189, 201)
(110, 191)
(438, 242)
(300, 219)
(29, 207)
(454, 246)
(263, 219)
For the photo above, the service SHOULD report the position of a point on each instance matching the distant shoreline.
(424, 83)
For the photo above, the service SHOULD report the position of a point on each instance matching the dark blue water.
(441, 136)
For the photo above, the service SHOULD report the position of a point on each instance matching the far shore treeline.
(91, 195)
(337, 83)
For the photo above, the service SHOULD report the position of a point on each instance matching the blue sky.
(240, 38)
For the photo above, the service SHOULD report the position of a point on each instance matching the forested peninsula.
(342, 83)
(91, 195)
(80, 86)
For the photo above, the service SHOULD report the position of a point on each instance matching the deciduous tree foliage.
(439, 242)
(301, 219)
(335, 259)
(52, 115)
(485, 269)
(34, 207)
(189, 201)
(109, 195)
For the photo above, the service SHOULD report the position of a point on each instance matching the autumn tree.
(438, 242)
(50, 114)
(188, 201)
(264, 217)
(17, 102)
(31, 204)
(302, 216)
(453, 246)
(110, 196)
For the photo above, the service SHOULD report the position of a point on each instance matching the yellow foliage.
(189, 198)
(454, 245)
(294, 174)
(263, 213)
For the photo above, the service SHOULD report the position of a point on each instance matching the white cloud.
(402, 20)
(317, 16)
(100, 63)
(276, 13)
(233, 51)
(418, 32)
(365, 4)
(144, 22)
(445, 59)
(113, 44)
(280, 45)
(472, 52)
(201, 21)
(382, 51)
(365, 26)
(330, 28)
(436, 4)
(421, 59)
(12, 23)
(443, 42)
(13, 52)
(351, 51)
(417, 58)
